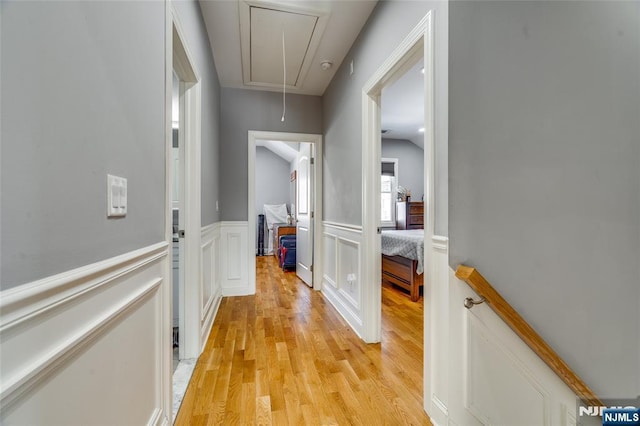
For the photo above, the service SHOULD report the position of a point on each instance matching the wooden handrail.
(509, 315)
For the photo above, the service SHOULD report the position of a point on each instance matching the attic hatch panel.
(266, 44)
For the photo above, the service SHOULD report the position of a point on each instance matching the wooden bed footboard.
(401, 271)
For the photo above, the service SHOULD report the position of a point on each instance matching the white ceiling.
(246, 39)
(403, 107)
(323, 31)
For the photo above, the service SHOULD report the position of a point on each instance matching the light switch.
(116, 196)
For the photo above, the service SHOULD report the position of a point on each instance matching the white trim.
(233, 267)
(14, 386)
(347, 312)
(157, 418)
(180, 59)
(394, 192)
(440, 243)
(210, 235)
(22, 303)
(419, 43)
(439, 404)
(60, 318)
(315, 139)
(343, 226)
(244, 10)
(346, 297)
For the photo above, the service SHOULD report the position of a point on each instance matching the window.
(388, 192)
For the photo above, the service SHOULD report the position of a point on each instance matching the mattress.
(406, 243)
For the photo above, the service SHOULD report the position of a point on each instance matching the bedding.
(273, 213)
(405, 243)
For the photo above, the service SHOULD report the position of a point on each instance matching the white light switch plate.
(116, 196)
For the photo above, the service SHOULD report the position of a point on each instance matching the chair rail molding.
(60, 336)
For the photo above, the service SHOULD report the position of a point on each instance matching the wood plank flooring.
(286, 357)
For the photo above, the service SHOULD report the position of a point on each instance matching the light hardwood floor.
(286, 357)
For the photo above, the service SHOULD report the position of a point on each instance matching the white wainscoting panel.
(330, 259)
(91, 345)
(494, 377)
(342, 284)
(211, 285)
(233, 258)
(436, 296)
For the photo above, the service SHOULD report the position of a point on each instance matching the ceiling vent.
(261, 28)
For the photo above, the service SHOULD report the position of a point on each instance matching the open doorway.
(418, 44)
(177, 205)
(284, 205)
(402, 183)
(183, 164)
(284, 215)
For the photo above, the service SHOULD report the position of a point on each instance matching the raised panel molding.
(211, 285)
(436, 348)
(330, 260)
(349, 264)
(233, 259)
(343, 256)
(233, 262)
(59, 339)
(493, 375)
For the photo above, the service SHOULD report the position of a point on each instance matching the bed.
(403, 258)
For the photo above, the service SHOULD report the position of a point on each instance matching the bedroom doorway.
(419, 43)
(291, 209)
(402, 182)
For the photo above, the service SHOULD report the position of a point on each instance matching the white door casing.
(304, 212)
(316, 140)
(419, 43)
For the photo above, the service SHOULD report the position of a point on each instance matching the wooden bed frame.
(401, 271)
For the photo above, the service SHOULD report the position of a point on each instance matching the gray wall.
(545, 172)
(82, 95)
(388, 25)
(272, 179)
(200, 49)
(245, 110)
(410, 164)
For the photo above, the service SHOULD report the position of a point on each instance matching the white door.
(304, 211)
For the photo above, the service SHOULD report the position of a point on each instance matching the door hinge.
(379, 230)
(311, 268)
(313, 160)
(312, 213)
(181, 233)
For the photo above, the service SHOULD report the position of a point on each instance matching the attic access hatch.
(261, 27)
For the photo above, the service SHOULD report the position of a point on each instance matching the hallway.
(285, 356)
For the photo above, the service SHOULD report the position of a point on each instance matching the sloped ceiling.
(286, 150)
(403, 107)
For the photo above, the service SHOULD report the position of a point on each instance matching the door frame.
(179, 59)
(315, 139)
(419, 43)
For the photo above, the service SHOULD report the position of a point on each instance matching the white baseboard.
(68, 338)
